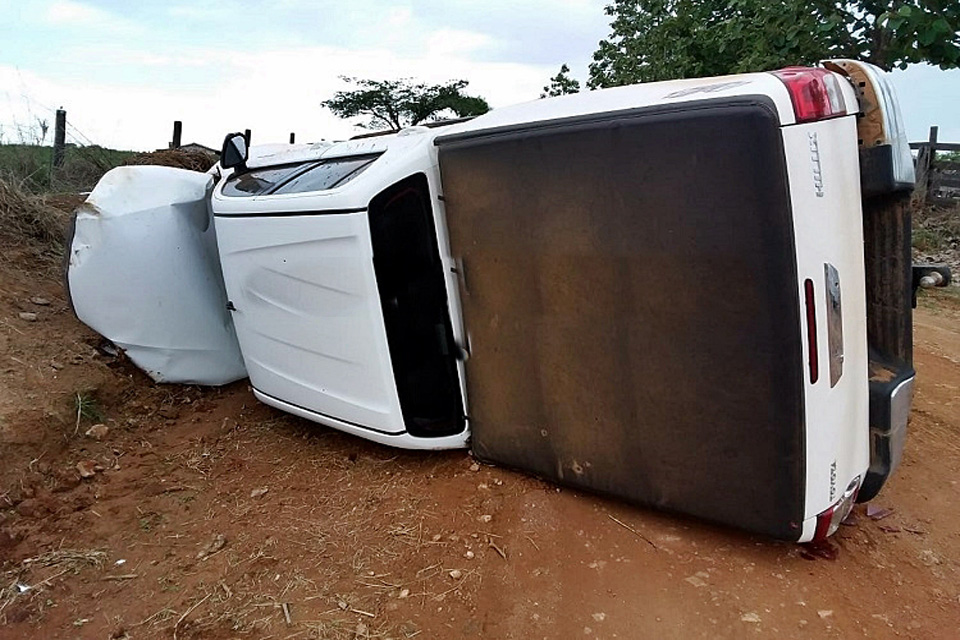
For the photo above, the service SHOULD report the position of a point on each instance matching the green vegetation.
(948, 156)
(664, 39)
(87, 408)
(561, 84)
(30, 167)
(394, 104)
(929, 240)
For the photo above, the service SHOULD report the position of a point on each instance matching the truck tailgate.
(629, 291)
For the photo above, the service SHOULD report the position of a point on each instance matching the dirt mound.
(179, 158)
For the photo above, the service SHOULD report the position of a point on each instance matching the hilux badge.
(815, 161)
(833, 480)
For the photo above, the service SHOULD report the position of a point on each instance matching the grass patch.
(32, 166)
(87, 408)
(929, 240)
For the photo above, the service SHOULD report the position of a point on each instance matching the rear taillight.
(829, 521)
(815, 93)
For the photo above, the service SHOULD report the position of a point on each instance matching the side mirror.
(234, 152)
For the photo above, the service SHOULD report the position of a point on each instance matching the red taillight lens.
(829, 521)
(815, 93)
(811, 330)
(824, 520)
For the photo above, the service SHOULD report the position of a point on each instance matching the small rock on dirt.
(930, 558)
(474, 467)
(820, 549)
(40, 301)
(87, 468)
(696, 581)
(98, 431)
(485, 518)
(219, 542)
(404, 593)
(32, 508)
(750, 617)
(27, 316)
(469, 555)
(456, 574)
(259, 492)
(878, 513)
(825, 613)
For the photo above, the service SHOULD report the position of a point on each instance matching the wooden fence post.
(925, 157)
(177, 134)
(59, 138)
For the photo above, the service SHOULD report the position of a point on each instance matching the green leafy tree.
(394, 104)
(561, 84)
(665, 39)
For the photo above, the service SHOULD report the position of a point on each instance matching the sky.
(124, 71)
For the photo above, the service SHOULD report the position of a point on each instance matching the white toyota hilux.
(693, 295)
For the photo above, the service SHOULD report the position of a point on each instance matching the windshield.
(327, 175)
(259, 181)
(302, 177)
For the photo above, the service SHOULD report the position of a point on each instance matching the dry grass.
(40, 220)
(192, 160)
(18, 583)
(72, 559)
(28, 217)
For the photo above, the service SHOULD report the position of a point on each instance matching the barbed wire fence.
(27, 151)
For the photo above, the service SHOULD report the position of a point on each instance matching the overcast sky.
(125, 70)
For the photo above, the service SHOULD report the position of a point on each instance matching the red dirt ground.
(213, 516)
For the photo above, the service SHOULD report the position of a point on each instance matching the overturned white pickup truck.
(693, 295)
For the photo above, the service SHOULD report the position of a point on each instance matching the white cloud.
(398, 18)
(447, 42)
(72, 12)
(77, 14)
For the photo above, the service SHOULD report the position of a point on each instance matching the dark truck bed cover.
(630, 292)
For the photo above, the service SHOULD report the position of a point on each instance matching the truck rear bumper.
(891, 392)
(887, 231)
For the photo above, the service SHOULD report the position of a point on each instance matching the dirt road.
(209, 515)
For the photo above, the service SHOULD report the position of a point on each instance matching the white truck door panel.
(308, 315)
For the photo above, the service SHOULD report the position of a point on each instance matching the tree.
(561, 84)
(665, 39)
(394, 104)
